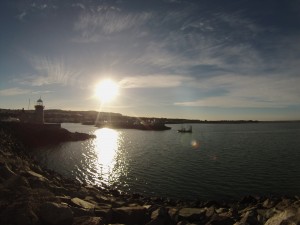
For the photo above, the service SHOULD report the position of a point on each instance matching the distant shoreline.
(91, 117)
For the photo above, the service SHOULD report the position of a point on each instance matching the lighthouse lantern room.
(39, 111)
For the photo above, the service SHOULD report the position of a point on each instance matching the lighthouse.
(39, 111)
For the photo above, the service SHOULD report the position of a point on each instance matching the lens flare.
(195, 144)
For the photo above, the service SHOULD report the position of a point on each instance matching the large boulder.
(55, 214)
(192, 214)
(88, 220)
(82, 203)
(19, 214)
(289, 216)
(5, 171)
(130, 215)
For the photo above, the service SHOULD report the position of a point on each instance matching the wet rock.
(221, 210)
(210, 204)
(19, 214)
(267, 213)
(283, 204)
(37, 176)
(160, 216)
(86, 220)
(55, 214)
(269, 203)
(5, 171)
(289, 216)
(248, 200)
(192, 214)
(106, 214)
(130, 215)
(249, 217)
(173, 213)
(58, 190)
(210, 212)
(220, 220)
(16, 182)
(78, 212)
(82, 203)
(160, 212)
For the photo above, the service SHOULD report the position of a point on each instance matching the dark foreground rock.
(32, 195)
(36, 135)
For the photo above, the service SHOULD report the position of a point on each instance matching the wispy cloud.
(14, 91)
(49, 72)
(79, 5)
(154, 81)
(93, 25)
(22, 15)
(248, 92)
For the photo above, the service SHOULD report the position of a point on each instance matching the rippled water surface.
(216, 161)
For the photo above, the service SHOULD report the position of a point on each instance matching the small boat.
(185, 130)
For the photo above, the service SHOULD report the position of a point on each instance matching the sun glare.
(106, 90)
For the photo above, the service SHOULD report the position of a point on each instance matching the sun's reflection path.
(106, 145)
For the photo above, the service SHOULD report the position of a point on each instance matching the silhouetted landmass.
(94, 117)
(35, 135)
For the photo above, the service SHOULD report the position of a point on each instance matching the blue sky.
(204, 59)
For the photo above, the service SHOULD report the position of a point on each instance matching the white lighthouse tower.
(39, 111)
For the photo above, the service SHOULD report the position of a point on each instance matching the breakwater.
(36, 135)
(33, 195)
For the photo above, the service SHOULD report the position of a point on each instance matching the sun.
(106, 90)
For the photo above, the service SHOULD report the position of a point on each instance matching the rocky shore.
(30, 194)
(36, 135)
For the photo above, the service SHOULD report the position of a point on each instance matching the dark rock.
(161, 212)
(86, 220)
(55, 214)
(82, 203)
(248, 200)
(130, 215)
(289, 216)
(269, 203)
(192, 214)
(220, 220)
(161, 216)
(5, 171)
(106, 214)
(183, 222)
(19, 214)
(283, 204)
(157, 221)
(15, 182)
(210, 204)
(173, 213)
(210, 212)
(78, 212)
(267, 213)
(250, 217)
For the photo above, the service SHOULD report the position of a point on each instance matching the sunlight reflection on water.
(106, 147)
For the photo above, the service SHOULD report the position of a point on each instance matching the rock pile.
(32, 195)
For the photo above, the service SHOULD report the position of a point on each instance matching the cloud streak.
(248, 92)
(92, 26)
(154, 81)
(14, 91)
(49, 72)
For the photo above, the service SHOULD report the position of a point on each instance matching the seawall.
(30, 194)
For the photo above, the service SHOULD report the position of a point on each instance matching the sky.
(202, 59)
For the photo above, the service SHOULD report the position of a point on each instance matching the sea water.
(216, 161)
